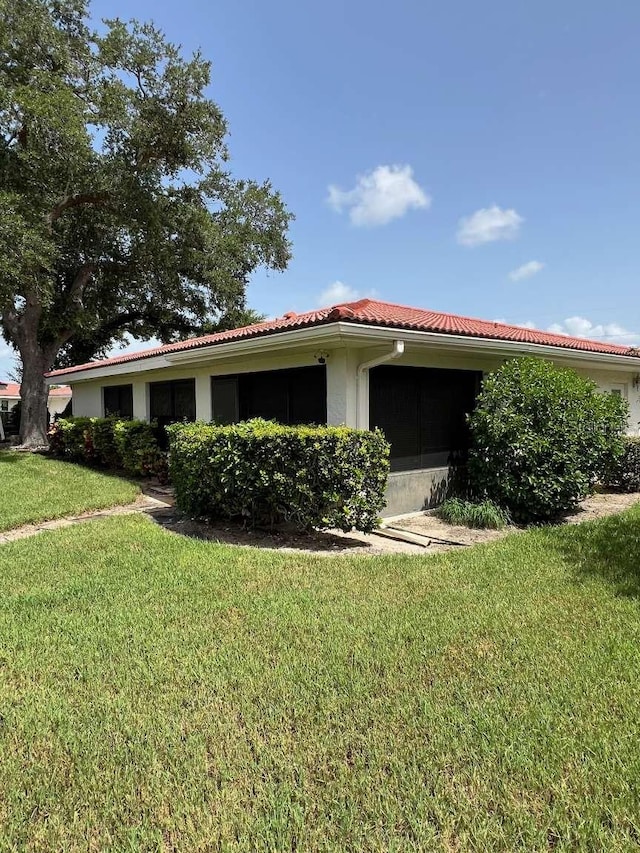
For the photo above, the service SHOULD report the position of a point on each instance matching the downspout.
(362, 383)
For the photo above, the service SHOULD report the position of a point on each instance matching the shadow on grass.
(8, 456)
(233, 533)
(109, 473)
(608, 549)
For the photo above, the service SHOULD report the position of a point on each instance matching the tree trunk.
(34, 397)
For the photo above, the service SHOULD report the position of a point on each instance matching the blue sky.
(479, 158)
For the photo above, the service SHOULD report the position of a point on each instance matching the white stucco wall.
(57, 404)
(342, 378)
(88, 396)
(608, 380)
(87, 399)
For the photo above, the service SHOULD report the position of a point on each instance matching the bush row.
(267, 473)
(130, 445)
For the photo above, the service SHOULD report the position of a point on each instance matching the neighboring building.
(413, 373)
(58, 397)
(9, 396)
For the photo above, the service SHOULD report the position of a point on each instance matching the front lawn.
(161, 693)
(37, 488)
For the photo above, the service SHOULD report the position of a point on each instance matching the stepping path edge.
(144, 504)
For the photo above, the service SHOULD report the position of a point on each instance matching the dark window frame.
(172, 385)
(424, 423)
(219, 384)
(288, 385)
(125, 411)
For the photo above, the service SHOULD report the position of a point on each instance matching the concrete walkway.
(145, 503)
(159, 505)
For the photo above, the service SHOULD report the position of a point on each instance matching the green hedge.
(138, 447)
(625, 474)
(266, 473)
(75, 439)
(542, 436)
(111, 443)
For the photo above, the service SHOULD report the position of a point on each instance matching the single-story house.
(58, 400)
(412, 372)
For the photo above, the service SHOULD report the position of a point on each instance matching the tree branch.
(10, 322)
(76, 201)
(82, 279)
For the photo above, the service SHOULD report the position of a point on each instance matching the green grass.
(160, 693)
(36, 488)
(480, 514)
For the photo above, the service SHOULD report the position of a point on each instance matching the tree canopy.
(118, 210)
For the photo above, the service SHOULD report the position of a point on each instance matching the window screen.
(224, 394)
(172, 401)
(422, 411)
(293, 396)
(118, 400)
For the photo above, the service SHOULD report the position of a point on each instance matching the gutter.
(362, 382)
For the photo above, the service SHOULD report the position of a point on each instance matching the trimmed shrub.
(110, 442)
(138, 448)
(104, 442)
(625, 474)
(76, 439)
(56, 438)
(478, 514)
(267, 473)
(542, 436)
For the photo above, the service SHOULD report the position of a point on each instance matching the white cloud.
(580, 327)
(526, 270)
(487, 225)
(336, 293)
(379, 196)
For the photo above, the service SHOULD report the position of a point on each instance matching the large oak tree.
(118, 213)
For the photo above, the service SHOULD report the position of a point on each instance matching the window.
(422, 411)
(172, 401)
(118, 400)
(619, 391)
(4, 405)
(224, 400)
(294, 396)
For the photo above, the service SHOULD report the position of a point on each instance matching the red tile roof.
(12, 389)
(9, 389)
(374, 313)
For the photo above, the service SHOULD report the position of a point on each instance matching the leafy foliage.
(138, 447)
(117, 211)
(542, 436)
(479, 514)
(130, 445)
(105, 448)
(625, 474)
(73, 438)
(266, 473)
